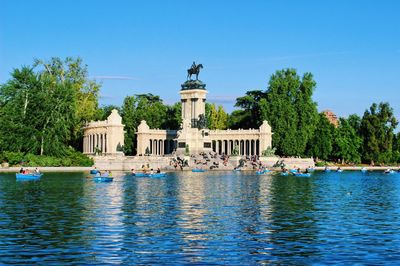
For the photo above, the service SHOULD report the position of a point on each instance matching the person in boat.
(151, 171)
(306, 171)
(98, 174)
(133, 172)
(387, 171)
(37, 171)
(338, 169)
(158, 170)
(106, 173)
(109, 173)
(298, 170)
(21, 170)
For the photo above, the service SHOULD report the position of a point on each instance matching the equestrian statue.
(194, 70)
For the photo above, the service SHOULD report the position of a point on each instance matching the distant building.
(331, 117)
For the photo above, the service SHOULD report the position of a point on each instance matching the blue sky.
(351, 47)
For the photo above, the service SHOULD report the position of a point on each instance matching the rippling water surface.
(201, 218)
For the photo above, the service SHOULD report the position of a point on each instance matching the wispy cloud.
(108, 97)
(106, 77)
(223, 99)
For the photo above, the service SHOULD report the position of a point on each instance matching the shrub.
(72, 158)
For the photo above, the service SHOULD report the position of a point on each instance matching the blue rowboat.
(284, 174)
(364, 170)
(198, 170)
(93, 172)
(262, 172)
(157, 175)
(103, 179)
(28, 176)
(389, 172)
(302, 174)
(141, 174)
(293, 170)
(149, 175)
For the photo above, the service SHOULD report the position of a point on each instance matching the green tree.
(320, 145)
(40, 110)
(252, 116)
(355, 122)
(377, 132)
(213, 117)
(290, 111)
(140, 107)
(174, 116)
(128, 114)
(216, 117)
(347, 143)
(73, 73)
(222, 118)
(104, 111)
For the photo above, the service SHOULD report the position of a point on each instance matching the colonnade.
(244, 147)
(161, 146)
(91, 141)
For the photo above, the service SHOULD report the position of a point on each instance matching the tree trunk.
(26, 103)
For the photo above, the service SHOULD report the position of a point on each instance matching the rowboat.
(149, 174)
(157, 175)
(32, 176)
(262, 172)
(364, 170)
(389, 171)
(140, 174)
(103, 179)
(302, 174)
(93, 172)
(198, 170)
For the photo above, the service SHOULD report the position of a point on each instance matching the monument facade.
(192, 138)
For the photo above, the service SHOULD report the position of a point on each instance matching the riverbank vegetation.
(43, 108)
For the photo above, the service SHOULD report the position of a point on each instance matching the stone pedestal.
(193, 135)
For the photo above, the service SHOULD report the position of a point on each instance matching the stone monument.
(193, 137)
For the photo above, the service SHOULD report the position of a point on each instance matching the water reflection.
(201, 218)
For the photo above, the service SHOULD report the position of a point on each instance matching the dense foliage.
(216, 117)
(71, 158)
(300, 131)
(151, 109)
(288, 107)
(43, 109)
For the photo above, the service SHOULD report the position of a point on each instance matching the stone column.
(103, 145)
(105, 142)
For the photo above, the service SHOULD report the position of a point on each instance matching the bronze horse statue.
(194, 70)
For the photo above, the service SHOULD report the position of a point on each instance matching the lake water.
(201, 218)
